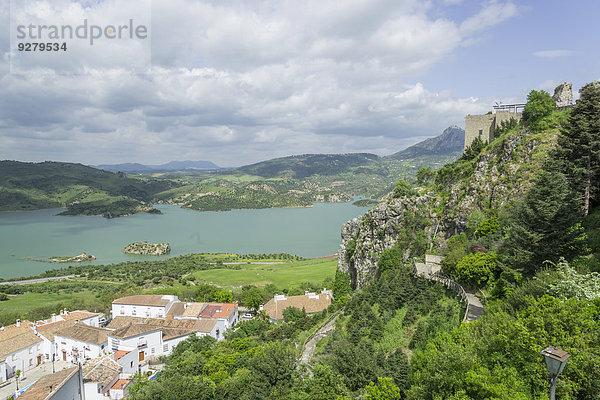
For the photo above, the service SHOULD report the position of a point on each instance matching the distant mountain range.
(304, 179)
(172, 166)
(445, 147)
(451, 141)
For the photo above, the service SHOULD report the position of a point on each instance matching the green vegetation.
(84, 190)
(539, 106)
(579, 146)
(281, 275)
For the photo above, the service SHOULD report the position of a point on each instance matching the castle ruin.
(483, 126)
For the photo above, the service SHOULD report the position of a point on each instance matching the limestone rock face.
(563, 95)
(153, 249)
(500, 175)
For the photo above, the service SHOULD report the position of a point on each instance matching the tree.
(403, 189)
(425, 175)
(539, 105)
(293, 314)
(544, 226)
(474, 149)
(476, 269)
(341, 287)
(224, 296)
(252, 298)
(579, 146)
(384, 390)
(390, 258)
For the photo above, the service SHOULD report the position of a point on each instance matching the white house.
(146, 305)
(226, 314)
(62, 385)
(81, 342)
(46, 329)
(2, 370)
(99, 376)
(146, 338)
(20, 348)
(202, 327)
(120, 389)
(128, 359)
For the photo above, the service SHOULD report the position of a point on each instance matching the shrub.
(390, 258)
(476, 269)
(539, 105)
(403, 189)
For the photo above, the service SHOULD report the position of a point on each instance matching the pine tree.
(544, 226)
(579, 146)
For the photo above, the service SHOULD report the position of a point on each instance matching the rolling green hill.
(85, 190)
(304, 166)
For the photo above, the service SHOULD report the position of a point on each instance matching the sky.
(240, 81)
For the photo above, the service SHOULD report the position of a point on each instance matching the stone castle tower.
(483, 126)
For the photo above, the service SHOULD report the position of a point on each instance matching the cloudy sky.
(236, 82)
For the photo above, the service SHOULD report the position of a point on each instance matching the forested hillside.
(85, 190)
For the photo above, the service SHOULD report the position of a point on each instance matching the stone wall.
(484, 125)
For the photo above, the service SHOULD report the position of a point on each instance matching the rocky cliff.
(502, 172)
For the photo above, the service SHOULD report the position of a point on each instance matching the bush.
(539, 105)
(403, 189)
(477, 269)
(390, 258)
(458, 248)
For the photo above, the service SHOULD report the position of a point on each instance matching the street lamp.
(556, 359)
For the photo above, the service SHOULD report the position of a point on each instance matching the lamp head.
(556, 359)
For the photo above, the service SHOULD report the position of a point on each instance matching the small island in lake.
(58, 259)
(152, 249)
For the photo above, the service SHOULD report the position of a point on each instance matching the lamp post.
(556, 359)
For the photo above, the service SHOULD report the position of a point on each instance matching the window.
(31, 362)
(131, 364)
(153, 350)
(30, 350)
(481, 131)
(165, 348)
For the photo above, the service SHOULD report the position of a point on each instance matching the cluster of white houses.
(142, 327)
(106, 359)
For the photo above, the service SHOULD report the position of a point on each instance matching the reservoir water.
(308, 232)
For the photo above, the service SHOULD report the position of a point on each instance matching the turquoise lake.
(308, 232)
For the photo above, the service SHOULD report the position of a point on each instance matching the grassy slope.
(23, 303)
(28, 186)
(281, 275)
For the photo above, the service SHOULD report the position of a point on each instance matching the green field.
(281, 275)
(23, 303)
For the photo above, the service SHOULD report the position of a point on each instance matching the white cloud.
(552, 53)
(239, 81)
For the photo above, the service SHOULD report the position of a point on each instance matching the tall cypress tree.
(579, 146)
(544, 226)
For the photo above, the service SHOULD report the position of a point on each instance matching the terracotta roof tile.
(48, 330)
(103, 370)
(84, 333)
(176, 309)
(120, 354)
(47, 386)
(121, 384)
(17, 339)
(274, 309)
(78, 314)
(154, 300)
(204, 325)
(132, 330)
